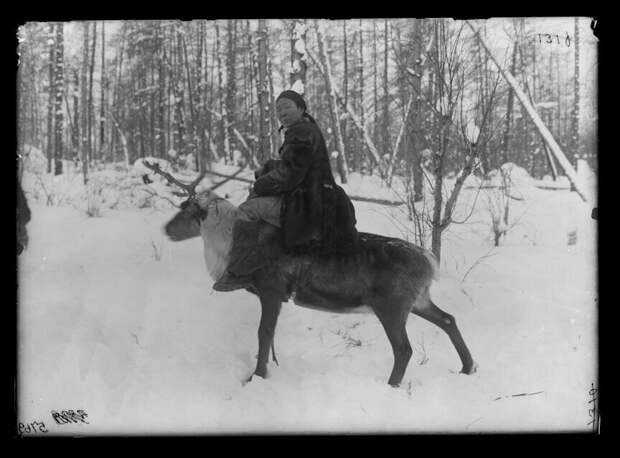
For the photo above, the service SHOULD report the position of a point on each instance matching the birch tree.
(84, 101)
(298, 57)
(333, 106)
(51, 92)
(103, 87)
(262, 89)
(58, 97)
(90, 107)
(229, 105)
(575, 112)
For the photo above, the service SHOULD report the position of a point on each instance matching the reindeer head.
(186, 223)
(193, 211)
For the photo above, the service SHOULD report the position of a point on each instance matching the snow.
(298, 86)
(472, 131)
(117, 320)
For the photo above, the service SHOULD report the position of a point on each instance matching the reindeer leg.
(270, 309)
(394, 321)
(447, 322)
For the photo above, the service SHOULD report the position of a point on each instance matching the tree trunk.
(345, 87)
(74, 119)
(575, 115)
(386, 96)
(375, 67)
(333, 106)
(58, 86)
(273, 120)
(441, 133)
(196, 139)
(203, 88)
(104, 85)
(360, 94)
(483, 91)
(116, 96)
(437, 228)
(412, 70)
(416, 113)
(84, 102)
(161, 80)
(263, 94)
(179, 115)
(224, 138)
(297, 78)
(90, 95)
(231, 88)
(509, 108)
(50, 102)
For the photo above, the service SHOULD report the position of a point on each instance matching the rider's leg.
(246, 255)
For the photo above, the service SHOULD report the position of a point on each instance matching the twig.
(156, 194)
(472, 208)
(487, 255)
(517, 395)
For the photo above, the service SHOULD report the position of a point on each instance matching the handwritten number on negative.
(29, 428)
(69, 416)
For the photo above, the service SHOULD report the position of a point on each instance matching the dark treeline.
(392, 96)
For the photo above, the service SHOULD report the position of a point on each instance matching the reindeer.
(389, 276)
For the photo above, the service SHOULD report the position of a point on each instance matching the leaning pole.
(553, 145)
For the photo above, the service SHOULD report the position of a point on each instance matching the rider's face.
(288, 112)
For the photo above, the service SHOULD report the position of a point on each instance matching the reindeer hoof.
(472, 370)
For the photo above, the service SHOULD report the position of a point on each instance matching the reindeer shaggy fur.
(389, 276)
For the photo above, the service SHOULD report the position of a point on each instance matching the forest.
(473, 139)
(421, 99)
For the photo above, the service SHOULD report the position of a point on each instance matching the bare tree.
(50, 102)
(333, 106)
(386, 95)
(196, 138)
(262, 90)
(231, 88)
(90, 106)
(449, 80)
(273, 121)
(84, 101)
(375, 72)
(575, 112)
(58, 96)
(510, 101)
(160, 137)
(345, 87)
(298, 57)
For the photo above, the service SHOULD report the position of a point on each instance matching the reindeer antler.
(189, 188)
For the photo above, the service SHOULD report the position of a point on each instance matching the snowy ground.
(116, 320)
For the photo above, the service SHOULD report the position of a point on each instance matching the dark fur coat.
(316, 213)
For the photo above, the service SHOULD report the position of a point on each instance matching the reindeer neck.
(216, 233)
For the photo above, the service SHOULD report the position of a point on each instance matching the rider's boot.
(245, 257)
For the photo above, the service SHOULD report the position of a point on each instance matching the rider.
(297, 193)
